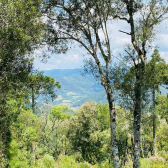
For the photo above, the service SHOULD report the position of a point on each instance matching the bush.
(147, 163)
(105, 164)
(64, 161)
(46, 161)
(22, 159)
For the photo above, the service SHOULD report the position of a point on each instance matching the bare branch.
(121, 18)
(131, 57)
(124, 32)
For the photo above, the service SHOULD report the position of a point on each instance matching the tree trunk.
(137, 122)
(113, 130)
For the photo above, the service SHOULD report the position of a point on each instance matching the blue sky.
(74, 57)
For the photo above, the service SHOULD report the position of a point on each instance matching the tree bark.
(105, 82)
(115, 154)
(137, 121)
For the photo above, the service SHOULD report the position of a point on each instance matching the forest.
(130, 130)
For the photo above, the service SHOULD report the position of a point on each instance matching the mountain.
(76, 89)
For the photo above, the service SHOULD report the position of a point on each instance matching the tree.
(155, 73)
(41, 85)
(13, 107)
(154, 77)
(88, 133)
(44, 86)
(142, 17)
(163, 106)
(53, 131)
(82, 22)
(19, 35)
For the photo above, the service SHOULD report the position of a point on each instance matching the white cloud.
(74, 58)
(122, 41)
(61, 61)
(164, 55)
(162, 42)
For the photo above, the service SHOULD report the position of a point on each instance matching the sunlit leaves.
(57, 113)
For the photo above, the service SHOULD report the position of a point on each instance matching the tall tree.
(41, 85)
(19, 35)
(142, 17)
(155, 73)
(87, 133)
(84, 22)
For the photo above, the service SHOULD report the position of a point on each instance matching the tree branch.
(124, 32)
(131, 57)
(122, 18)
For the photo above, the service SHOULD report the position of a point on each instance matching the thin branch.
(124, 32)
(120, 60)
(79, 41)
(131, 57)
(122, 18)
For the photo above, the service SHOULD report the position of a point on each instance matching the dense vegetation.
(59, 137)
(134, 132)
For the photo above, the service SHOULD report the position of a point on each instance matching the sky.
(74, 58)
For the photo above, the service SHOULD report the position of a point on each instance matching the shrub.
(65, 161)
(46, 161)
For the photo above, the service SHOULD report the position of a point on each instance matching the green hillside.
(77, 89)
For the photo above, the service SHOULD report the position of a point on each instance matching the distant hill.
(76, 89)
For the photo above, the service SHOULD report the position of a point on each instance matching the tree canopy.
(93, 135)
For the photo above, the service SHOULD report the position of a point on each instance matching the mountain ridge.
(76, 88)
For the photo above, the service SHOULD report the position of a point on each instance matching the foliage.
(81, 140)
(162, 138)
(38, 84)
(46, 161)
(20, 35)
(162, 106)
(58, 136)
(59, 112)
(86, 133)
(69, 161)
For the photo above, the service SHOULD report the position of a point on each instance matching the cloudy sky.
(74, 57)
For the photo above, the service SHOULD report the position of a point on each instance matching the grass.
(148, 163)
